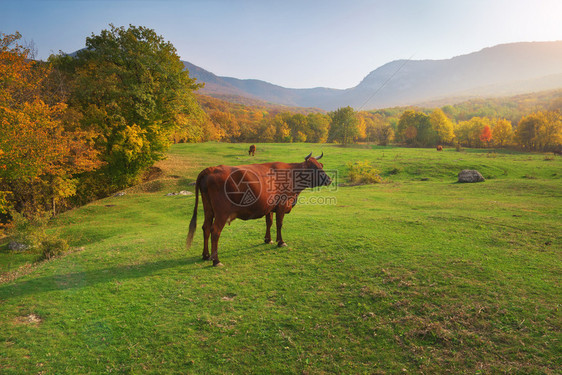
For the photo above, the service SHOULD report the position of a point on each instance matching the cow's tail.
(193, 223)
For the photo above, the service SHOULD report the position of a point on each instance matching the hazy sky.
(298, 44)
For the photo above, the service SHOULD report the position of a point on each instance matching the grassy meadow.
(418, 274)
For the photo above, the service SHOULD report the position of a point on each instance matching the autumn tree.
(442, 125)
(344, 125)
(266, 132)
(540, 131)
(299, 127)
(378, 129)
(502, 132)
(41, 149)
(282, 130)
(468, 132)
(549, 133)
(486, 135)
(407, 130)
(414, 128)
(132, 90)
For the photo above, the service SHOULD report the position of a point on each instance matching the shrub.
(394, 171)
(362, 172)
(31, 233)
(24, 231)
(51, 246)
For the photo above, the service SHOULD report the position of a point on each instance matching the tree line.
(79, 127)
(535, 131)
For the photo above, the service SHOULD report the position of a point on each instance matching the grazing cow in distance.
(439, 148)
(251, 192)
(252, 150)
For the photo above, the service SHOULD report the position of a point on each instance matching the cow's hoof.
(218, 264)
(268, 241)
(206, 257)
(281, 244)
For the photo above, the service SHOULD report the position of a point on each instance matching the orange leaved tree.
(41, 153)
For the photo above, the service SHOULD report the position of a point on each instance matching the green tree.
(344, 125)
(414, 128)
(318, 127)
(132, 90)
(298, 124)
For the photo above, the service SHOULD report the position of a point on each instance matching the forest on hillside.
(77, 128)
(528, 122)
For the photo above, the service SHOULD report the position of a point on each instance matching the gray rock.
(120, 194)
(470, 175)
(17, 246)
(183, 192)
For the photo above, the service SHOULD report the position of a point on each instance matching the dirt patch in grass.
(152, 173)
(12, 275)
(30, 319)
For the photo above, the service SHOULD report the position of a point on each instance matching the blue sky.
(300, 44)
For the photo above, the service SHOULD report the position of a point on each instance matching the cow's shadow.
(78, 280)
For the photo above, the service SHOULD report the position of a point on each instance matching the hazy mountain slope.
(506, 69)
(502, 70)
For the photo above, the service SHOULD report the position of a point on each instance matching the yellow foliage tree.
(442, 125)
(502, 132)
(41, 152)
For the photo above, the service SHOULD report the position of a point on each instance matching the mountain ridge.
(505, 69)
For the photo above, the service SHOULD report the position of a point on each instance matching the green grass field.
(418, 274)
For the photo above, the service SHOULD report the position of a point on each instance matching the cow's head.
(319, 177)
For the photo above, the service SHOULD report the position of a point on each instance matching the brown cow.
(252, 150)
(439, 148)
(251, 192)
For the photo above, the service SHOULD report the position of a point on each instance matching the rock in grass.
(470, 175)
(17, 246)
(183, 192)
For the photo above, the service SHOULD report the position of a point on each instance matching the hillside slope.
(507, 69)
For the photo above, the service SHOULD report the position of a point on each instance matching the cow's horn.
(320, 157)
(309, 155)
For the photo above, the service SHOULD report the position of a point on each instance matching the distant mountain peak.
(502, 70)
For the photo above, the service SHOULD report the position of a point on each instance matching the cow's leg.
(216, 230)
(206, 234)
(268, 223)
(209, 216)
(279, 214)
